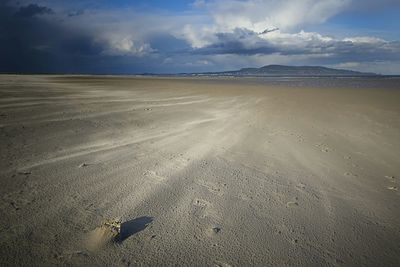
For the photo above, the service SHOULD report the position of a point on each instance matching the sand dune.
(225, 172)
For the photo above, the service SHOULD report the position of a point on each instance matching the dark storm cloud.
(169, 44)
(240, 42)
(32, 10)
(31, 43)
(362, 52)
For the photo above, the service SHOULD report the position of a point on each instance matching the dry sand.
(226, 172)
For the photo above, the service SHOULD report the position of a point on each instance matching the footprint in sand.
(22, 197)
(154, 175)
(200, 203)
(70, 254)
(301, 186)
(350, 174)
(291, 204)
(200, 209)
(323, 147)
(295, 241)
(212, 188)
(221, 264)
(393, 188)
(246, 197)
(203, 209)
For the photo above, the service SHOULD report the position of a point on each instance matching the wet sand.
(201, 172)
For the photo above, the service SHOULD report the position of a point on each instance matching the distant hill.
(294, 71)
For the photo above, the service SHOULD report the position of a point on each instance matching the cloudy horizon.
(128, 37)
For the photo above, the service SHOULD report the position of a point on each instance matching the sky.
(159, 36)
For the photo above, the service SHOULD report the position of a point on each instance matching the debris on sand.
(114, 225)
(390, 177)
(104, 234)
(216, 229)
(25, 172)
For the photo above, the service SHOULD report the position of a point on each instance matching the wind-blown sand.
(230, 172)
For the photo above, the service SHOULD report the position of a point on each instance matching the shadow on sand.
(132, 227)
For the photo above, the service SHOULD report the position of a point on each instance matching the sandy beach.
(200, 171)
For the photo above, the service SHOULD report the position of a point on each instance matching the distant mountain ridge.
(281, 70)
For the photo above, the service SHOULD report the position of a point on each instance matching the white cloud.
(288, 15)
(198, 35)
(347, 65)
(127, 46)
(257, 15)
(364, 40)
(300, 40)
